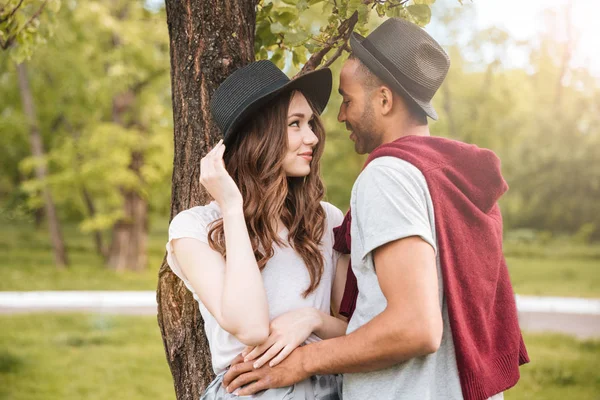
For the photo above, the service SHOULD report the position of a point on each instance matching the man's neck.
(393, 133)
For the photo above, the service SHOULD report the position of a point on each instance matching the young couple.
(431, 307)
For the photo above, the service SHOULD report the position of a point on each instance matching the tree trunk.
(209, 40)
(98, 242)
(37, 150)
(130, 233)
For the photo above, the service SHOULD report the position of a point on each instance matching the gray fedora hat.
(405, 57)
(251, 87)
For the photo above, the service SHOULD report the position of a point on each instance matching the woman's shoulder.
(333, 214)
(196, 217)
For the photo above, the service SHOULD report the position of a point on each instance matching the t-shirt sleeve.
(391, 204)
(192, 223)
(334, 219)
(334, 215)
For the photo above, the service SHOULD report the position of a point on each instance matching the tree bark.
(37, 150)
(209, 40)
(130, 234)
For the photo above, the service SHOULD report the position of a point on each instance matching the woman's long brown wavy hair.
(255, 162)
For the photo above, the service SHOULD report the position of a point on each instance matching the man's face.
(356, 110)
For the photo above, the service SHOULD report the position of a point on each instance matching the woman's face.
(301, 138)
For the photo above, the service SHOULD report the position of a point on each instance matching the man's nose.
(341, 114)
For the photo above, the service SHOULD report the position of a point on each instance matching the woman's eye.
(312, 124)
(295, 123)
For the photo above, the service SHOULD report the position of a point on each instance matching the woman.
(259, 258)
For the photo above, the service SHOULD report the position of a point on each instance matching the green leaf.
(286, 17)
(311, 47)
(427, 2)
(302, 5)
(277, 27)
(420, 13)
(278, 59)
(262, 54)
(293, 39)
(299, 56)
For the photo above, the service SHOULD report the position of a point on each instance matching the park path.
(573, 316)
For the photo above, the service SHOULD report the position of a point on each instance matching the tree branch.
(344, 31)
(34, 16)
(12, 38)
(336, 55)
(143, 83)
(9, 16)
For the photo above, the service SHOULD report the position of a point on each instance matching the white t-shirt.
(390, 201)
(285, 276)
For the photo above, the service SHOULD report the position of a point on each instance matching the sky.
(524, 20)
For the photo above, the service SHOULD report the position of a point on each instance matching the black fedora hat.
(405, 57)
(253, 86)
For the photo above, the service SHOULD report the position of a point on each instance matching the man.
(435, 315)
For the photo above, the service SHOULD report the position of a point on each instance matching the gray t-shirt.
(390, 201)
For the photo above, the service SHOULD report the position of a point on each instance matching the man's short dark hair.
(371, 82)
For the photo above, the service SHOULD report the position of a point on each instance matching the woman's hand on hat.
(217, 181)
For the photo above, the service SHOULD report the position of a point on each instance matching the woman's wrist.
(233, 210)
(317, 321)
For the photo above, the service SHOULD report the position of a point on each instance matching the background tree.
(102, 85)
(19, 24)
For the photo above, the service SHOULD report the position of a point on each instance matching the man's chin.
(359, 149)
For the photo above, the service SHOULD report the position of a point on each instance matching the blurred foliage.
(289, 31)
(87, 59)
(543, 122)
(25, 25)
(101, 87)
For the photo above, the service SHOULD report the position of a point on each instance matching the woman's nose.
(310, 138)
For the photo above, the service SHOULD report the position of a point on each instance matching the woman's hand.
(287, 332)
(217, 181)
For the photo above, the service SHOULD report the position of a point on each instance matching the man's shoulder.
(389, 170)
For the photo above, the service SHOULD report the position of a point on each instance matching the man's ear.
(386, 99)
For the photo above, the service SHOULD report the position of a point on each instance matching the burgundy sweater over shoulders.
(465, 184)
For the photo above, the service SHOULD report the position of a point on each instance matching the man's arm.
(409, 327)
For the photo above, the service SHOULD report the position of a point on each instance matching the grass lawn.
(28, 264)
(78, 356)
(568, 277)
(561, 368)
(98, 357)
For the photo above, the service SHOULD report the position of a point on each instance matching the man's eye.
(346, 102)
(295, 123)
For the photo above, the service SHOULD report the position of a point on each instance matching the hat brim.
(371, 62)
(314, 85)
